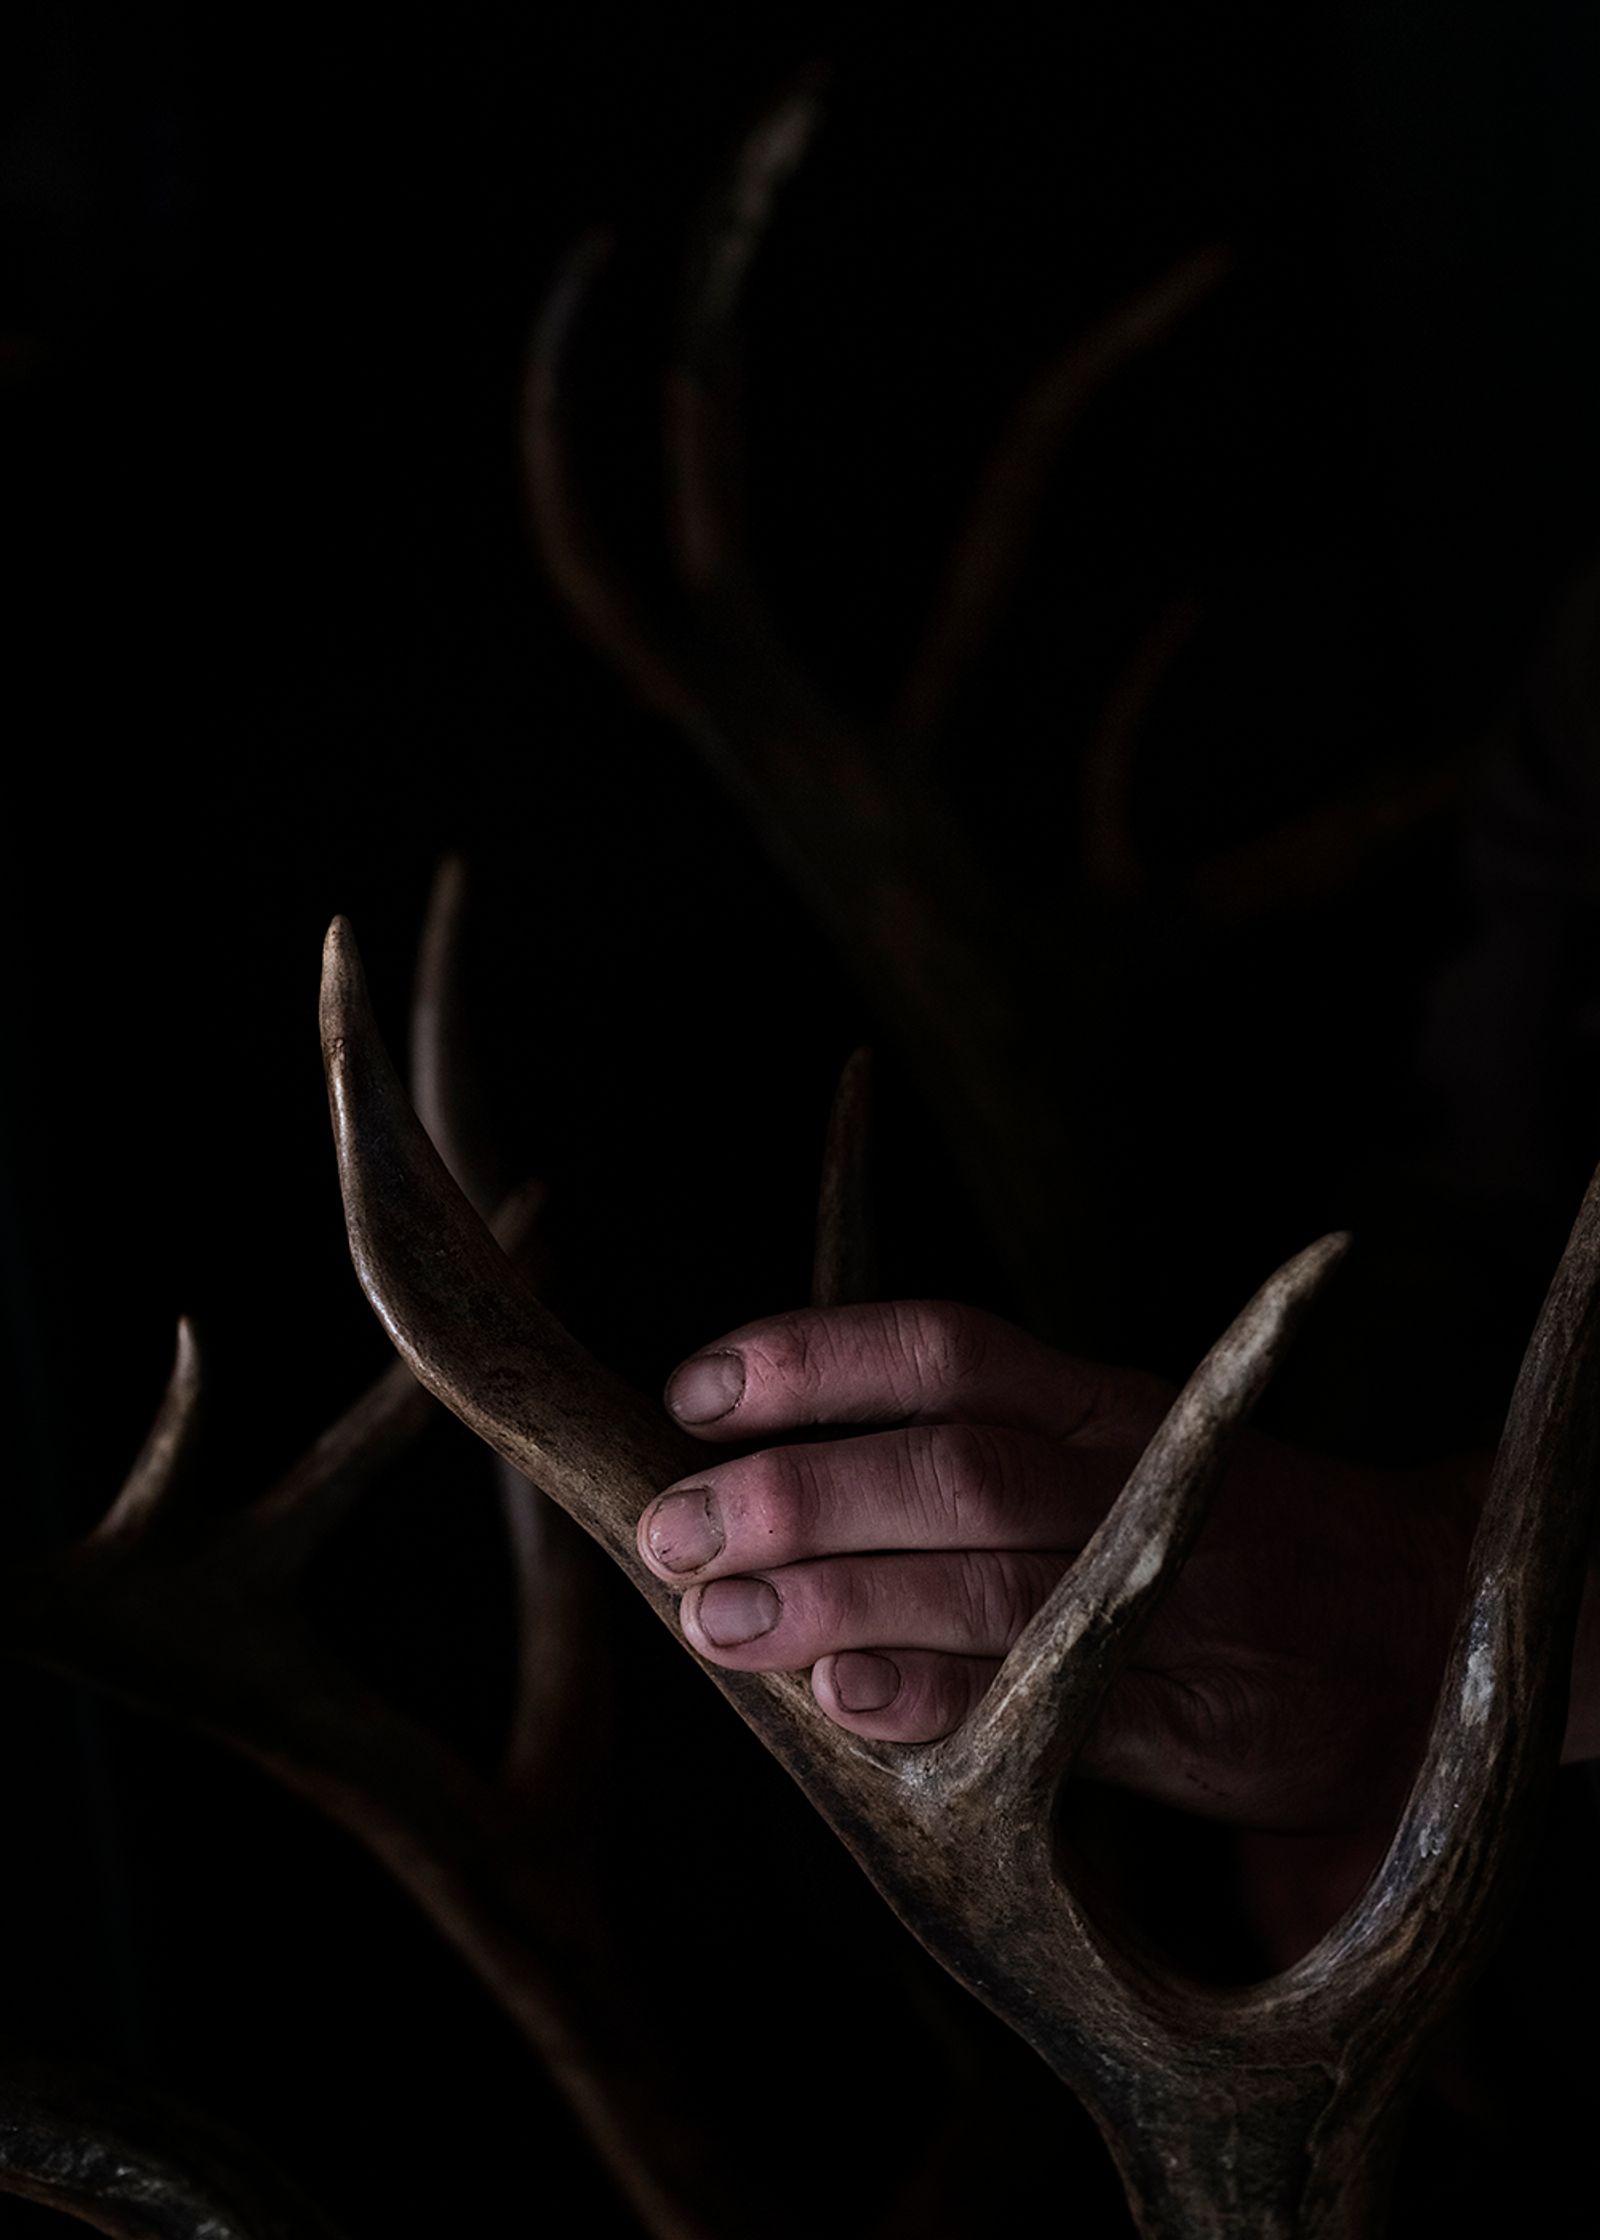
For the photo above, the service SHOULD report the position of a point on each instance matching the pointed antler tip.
(857, 1068)
(340, 942)
(344, 988)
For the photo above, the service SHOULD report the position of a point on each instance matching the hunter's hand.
(1286, 1681)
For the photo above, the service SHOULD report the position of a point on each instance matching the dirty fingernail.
(706, 1387)
(733, 1611)
(683, 1530)
(864, 1682)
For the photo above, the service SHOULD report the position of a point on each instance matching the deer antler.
(1269, 2109)
(137, 2168)
(194, 1616)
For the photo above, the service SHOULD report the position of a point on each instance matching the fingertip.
(681, 1531)
(863, 1680)
(705, 1389)
(908, 1696)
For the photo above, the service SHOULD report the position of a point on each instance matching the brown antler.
(195, 1615)
(1270, 2109)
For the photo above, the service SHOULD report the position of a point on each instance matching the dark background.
(277, 638)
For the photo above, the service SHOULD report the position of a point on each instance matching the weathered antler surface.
(1270, 2109)
(129, 2165)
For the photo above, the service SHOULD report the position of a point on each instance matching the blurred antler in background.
(854, 814)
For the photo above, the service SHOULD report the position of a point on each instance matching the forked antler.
(1268, 2110)
(193, 1613)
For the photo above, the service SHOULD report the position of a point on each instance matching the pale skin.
(1284, 1685)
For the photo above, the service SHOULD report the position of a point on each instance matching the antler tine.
(470, 1330)
(293, 1519)
(1433, 1907)
(772, 728)
(520, 1382)
(703, 434)
(988, 553)
(1010, 1755)
(438, 1070)
(571, 549)
(96, 2150)
(844, 1265)
(145, 1501)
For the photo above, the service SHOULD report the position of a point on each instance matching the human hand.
(1284, 1684)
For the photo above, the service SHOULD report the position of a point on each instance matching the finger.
(900, 1695)
(930, 1486)
(974, 1602)
(886, 1363)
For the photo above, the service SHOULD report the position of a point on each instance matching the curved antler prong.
(1429, 1913)
(702, 428)
(1000, 519)
(439, 1076)
(460, 1316)
(457, 1312)
(569, 544)
(1015, 1748)
(163, 1461)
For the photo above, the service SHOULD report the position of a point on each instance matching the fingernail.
(863, 1682)
(706, 1387)
(732, 1611)
(683, 1530)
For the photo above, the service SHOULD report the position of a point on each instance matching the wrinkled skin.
(1284, 1685)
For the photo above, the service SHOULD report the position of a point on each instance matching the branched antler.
(1270, 2109)
(195, 1615)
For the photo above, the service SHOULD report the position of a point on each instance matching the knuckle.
(943, 1697)
(968, 1475)
(941, 1343)
(792, 1358)
(777, 1498)
(994, 1598)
